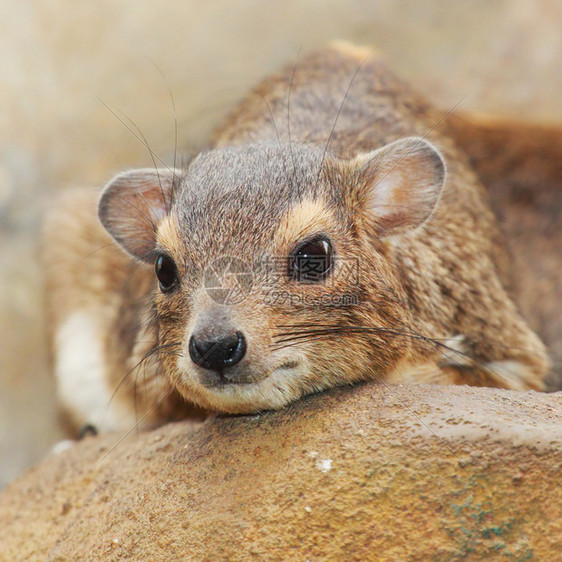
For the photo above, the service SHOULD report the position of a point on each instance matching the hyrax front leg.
(492, 347)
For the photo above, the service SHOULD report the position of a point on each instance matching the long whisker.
(349, 330)
(346, 330)
(140, 137)
(423, 138)
(156, 169)
(140, 421)
(340, 109)
(321, 332)
(172, 101)
(289, 108)
(288, 177)
(150, 353)
(474, 361)
(153, 157)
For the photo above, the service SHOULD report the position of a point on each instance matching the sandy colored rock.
(374, 472)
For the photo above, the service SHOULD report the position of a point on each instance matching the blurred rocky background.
(73, 72)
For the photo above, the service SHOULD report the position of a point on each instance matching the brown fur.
(521, 165)
(435, 298)
(463, 237)
(85, 270)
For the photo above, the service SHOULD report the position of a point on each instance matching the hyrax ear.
(133, 204)
(401, 184)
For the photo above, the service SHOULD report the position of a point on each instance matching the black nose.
(219, 353)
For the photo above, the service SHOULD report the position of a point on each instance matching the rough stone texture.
(372, 472)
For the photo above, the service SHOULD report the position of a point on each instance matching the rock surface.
(372, 472)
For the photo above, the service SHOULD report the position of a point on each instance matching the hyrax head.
(273, 279)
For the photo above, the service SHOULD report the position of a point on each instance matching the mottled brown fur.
(434, 300)
(85, 270)
(521, 165)
(462, 237)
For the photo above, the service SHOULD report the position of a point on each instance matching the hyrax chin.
(321, 240)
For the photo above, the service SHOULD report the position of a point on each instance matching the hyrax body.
(332, 233)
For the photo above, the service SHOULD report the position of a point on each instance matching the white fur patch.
(62, 446)
(81, 375)
(324, 465)
(515, 374)
(454, 352)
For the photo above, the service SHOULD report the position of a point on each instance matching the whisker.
(475, 362)
(310, 331)
(150, 353)
(139, 137)
(172, 101)
(423, 138)
(289, 108)
(152, 157)
(137, 425)
(156, 169)
(330, 136)
(288, 177)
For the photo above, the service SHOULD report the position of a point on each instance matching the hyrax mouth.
(253, 389)
(241, 377)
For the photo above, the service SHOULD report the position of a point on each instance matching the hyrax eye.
(167, 273)
(312, 260)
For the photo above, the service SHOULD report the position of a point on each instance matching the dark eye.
(311, 261)
(167, 272)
